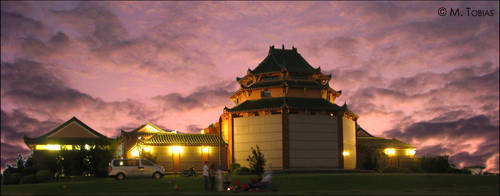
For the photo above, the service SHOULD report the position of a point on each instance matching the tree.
(256, 161)
(20, 162)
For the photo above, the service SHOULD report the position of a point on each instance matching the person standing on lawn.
(211, 174)
(205, 174)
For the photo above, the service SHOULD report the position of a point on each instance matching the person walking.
(211, 174)
(219, 179)
(205, 174)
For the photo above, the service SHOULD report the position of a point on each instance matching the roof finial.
(294, 49)
(282, 46)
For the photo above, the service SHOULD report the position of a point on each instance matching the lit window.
(265, 93)
(411, 152)
(48, 147)
(346, 153)
(390, 151)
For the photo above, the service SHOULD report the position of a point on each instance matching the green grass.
(287, 184)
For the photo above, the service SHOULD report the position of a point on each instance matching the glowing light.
(121, 162)
(202, 131)
(48, 147)
(135, 152)
(345, 153)
(87, 147)
(147, 149)
(390, 151)
(411, 152)
(204, 149)
(331, 114)
(176, 149)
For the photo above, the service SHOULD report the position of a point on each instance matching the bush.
(29, 170)
(234, 166)
(43, 175)
(28, 179)
(256, 161)
(12, 178)
(396, 170)
(437, 164)
(241, 171)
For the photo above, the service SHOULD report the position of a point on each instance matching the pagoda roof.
(283, 59)
(290, 102)
(379, 142)
(290, 83)
(183, 139)
(93, 137)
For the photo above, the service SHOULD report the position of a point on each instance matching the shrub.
(43, 175)
(241, 171)
(396, 170)
(234, 166)
(29, 170)
(437, 164)
(28, 179)
(12, 178)
(256, 161)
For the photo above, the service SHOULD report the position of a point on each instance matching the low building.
(174, 151)
(71, 135)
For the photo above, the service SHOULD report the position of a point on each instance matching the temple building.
(175, 151)
(284, 105)
(71, 135)
(287, 108)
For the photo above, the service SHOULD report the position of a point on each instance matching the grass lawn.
(287, 184)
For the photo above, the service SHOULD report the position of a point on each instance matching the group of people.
(225, 182)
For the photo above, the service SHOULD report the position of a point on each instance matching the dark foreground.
(286, 184)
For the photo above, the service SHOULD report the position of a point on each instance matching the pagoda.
(287, 108)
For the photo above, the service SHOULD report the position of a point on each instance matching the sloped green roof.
(291, 102)
(290, 83)
(43, 139)
(183, 139)
(278, 59)
(378, 142)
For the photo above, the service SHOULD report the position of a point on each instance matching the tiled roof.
(183, 139)
(379, 142)
(290, 83)
(44, 139)
(290, 60)
(291, 102)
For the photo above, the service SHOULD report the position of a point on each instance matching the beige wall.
(190, 156)
(313, 141)
(349, 135)
(264, 131)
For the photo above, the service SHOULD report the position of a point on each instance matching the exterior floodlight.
(390, 151)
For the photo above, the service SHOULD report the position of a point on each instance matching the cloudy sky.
(409, 73)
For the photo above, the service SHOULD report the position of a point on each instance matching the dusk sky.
(429, 80)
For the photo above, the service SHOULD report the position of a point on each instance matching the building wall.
(313, 141)
(349, 136)
(265, 131)
(304, 92)
(189, 156)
